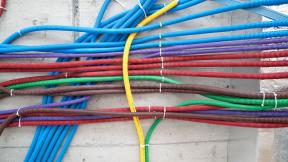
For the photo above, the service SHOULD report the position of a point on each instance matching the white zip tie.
(162, 62)
(160, 88)
(149, 108)
(163, 79)
(263, 101)
(142, 8)
(164, 112)
(160, 44)
(161, 25)
(276, 101)
(11, 92)
(161, 72)
(66, 75)
(5, 9)
(19, 32)
(121, 4)
(146, 145)
(19, 116)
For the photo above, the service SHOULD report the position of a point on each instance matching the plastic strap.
(142, 8)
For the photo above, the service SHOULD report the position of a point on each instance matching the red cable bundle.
(2, 7)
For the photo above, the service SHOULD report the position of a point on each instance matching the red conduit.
(277, 75)
(78, 122)
(147, 60)
(144, 109)
(13, 67)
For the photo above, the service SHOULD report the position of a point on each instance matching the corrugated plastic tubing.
(216, 112)
(60, 130)
(93, 47)
(262, 76)
(80, 67)
(153, 86)
(126, 80)
(140, 41)
(67, 141)
(225, 123)
(153, 50)
(273, 54)
(250, 4)
(69, 138)
(57, 139)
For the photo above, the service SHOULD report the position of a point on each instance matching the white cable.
(142, 8)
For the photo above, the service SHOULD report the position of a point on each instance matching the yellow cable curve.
(126, 74)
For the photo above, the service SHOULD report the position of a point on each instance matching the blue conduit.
(57, 134)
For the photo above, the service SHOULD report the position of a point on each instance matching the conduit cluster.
(108, 66)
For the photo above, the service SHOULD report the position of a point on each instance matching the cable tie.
(155, 117)
(149, 108)
(276, 101)
(160, 88)
(11, 92)
(19, 116)
(160, 36)
(3, 8)
(146, 145)
(121, 4)
(164, 112)
(142, 8)
(66, 75)
(161, 72)
(19, 32)
(162, 62)
(163, 79)
(160, 44)
(161, 25)
(263, 101)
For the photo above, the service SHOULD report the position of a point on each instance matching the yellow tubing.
(126, 74)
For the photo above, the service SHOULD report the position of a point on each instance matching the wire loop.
(263, 100)
(142, 8)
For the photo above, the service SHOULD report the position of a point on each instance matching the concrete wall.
(172, 141)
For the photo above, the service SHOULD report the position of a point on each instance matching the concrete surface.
(172, 141)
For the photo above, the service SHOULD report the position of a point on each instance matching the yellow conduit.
(126, 75)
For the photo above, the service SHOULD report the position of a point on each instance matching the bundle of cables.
(2, 7)
(102, 73)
